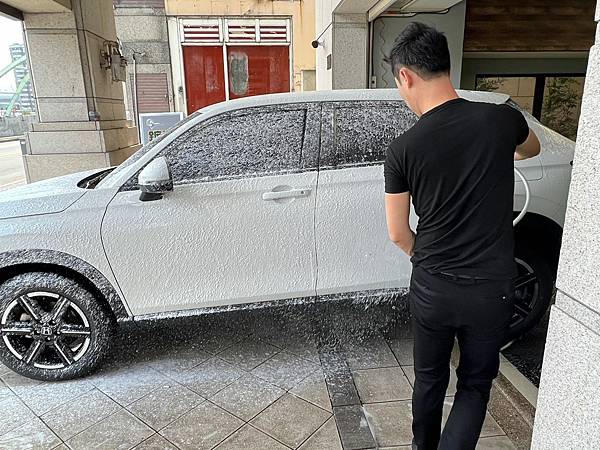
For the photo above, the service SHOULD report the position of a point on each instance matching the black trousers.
(478, 314)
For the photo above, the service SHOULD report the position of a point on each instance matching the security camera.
(316, 43)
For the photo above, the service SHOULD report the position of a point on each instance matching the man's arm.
(397, 210)
(529, 148)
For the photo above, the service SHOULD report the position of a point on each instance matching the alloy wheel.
(45, 330)
(526, 292)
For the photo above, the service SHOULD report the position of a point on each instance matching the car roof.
(338, 95)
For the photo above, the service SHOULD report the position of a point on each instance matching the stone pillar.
(568, 408)
(81, 111)
(349, 50)
(342, 55)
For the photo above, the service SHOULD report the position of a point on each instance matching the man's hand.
(529, 148)
(397, 211)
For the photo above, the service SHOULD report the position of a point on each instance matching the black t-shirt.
(457, 163)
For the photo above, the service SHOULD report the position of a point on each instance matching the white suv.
(261, 199)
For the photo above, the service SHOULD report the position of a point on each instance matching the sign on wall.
(153, 125)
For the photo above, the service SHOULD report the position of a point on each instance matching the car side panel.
(74, 232)
(213, 244)
(354, 251)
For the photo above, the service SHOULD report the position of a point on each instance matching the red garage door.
(204, 76)
(255, 70)
(257, 58)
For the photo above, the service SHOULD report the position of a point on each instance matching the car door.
(239, 224)
(353, 249)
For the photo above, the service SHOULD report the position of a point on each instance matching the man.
(456, 163)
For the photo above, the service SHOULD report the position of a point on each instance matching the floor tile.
(290, 420)
(326, 437)
(19, 383)
(353, 427)
(369, 354)
(339, 380)
(120, 430)
(155, 442)
(179, 360)
(78, 414)
(249, 438)
(495, 443)
(403, 351)
(265, 332)
(201, 428)
(5, 391)
(313, 389)
(302, 347)
(391, 422)
(382, 385)
(247, 396)
(32, 435)
(127, 385)
(285, 370)
(216, 342)
(490, 427)
(248, 353)
(4, 370)
(47, 396)
(210, 376)
(13, 413)
(164, 405)
(409, 371)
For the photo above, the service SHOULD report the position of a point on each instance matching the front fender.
(53, 258)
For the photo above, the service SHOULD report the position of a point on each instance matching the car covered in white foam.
(251, 201)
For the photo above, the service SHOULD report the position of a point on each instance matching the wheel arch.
(543, 235)
(21, 261)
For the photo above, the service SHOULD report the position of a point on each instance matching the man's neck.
(435, 93)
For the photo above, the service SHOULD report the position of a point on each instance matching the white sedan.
(262, 199)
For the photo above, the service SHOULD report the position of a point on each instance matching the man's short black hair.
(422, 49)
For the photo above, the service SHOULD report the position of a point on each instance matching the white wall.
(386, 29)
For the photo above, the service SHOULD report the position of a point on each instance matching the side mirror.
(155, 179)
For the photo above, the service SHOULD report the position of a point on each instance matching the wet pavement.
(527, 353)
(317, 376)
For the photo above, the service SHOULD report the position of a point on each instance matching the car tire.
(52, 328)
(534, 288)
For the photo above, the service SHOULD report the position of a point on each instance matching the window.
(554, 100)
(562, 104)
(363, 130)
(243, 143)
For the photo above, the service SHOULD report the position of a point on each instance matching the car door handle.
(275, 195)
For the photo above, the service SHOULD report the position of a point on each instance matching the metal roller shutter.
(152, 92)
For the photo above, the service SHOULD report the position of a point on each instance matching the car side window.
(362, 131)
(248, 142)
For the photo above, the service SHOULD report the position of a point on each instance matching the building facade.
(142, 31)
(187, 54)
(233, 48)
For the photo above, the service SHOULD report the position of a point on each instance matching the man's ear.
(405, 77)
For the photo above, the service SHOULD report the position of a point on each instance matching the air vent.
(273, 31)
(201, 31)
(217, 31)
(241, 30)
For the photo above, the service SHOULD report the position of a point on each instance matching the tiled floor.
(307, 377)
